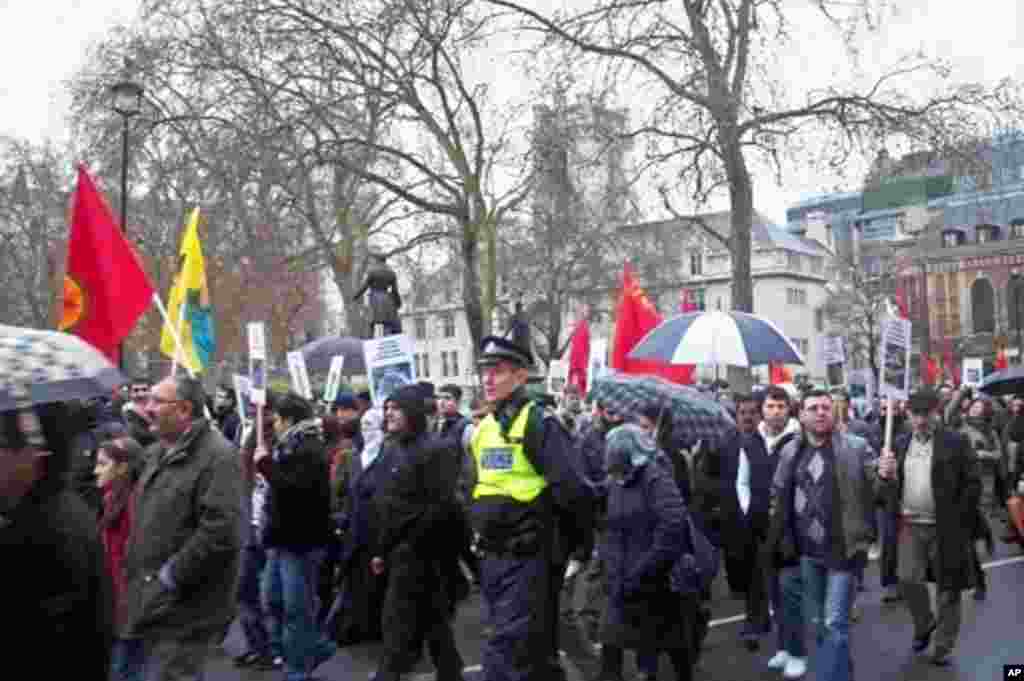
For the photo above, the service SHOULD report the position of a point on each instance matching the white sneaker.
(779, 661)
(795, 668)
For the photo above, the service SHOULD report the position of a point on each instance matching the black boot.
(612, 658)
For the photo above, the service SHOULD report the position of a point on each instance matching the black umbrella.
(320, 352)
(1005, 382)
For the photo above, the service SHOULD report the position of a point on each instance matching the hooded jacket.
(418, 492)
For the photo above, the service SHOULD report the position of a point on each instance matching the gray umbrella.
(37, 367)
(320, 352)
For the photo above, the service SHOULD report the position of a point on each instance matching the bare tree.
(724, 106)
(34, 186)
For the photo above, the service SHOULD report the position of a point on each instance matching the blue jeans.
(128, 660)
(789, 613)
(290, 599)
(889, 567)
(250, 602)
(828, 597)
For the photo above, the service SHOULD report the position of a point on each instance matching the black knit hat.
(411, 401)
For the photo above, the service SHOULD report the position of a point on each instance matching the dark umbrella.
(1005, 382)
(320, 352)
(38, 367)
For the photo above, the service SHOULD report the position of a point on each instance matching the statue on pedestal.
(383, 300)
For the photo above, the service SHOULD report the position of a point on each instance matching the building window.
(794, 262)
(425, 365)
(419, 369)
(817, 265)
(454, 359)
(444, 364)
(421, 328)
(987, 233)
(700, 298)
(819, 320)
(448, 324)
(952, 238)
(696, 263)
(983, 306)
(796, 296)
(1017, 229)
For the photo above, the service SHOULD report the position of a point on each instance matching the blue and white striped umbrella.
(719, 338)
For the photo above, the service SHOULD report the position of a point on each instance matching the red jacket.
(115, 539)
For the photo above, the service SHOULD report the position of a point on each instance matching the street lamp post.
(126, 97)
(1016, 279)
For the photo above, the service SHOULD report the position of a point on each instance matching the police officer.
(531, 510)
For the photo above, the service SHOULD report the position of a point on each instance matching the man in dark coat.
(225, 412)
(746, 478)
(411, 507)
(930, 481)
(296, 530)
(56, 585)
(182, 560)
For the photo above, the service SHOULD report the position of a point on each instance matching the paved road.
(991, 636)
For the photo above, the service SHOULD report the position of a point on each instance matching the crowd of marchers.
(141, 527)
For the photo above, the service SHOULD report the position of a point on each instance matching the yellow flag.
(188, 305)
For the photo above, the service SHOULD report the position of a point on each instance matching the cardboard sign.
(389, 365)
(558, 376)
(242, 398)
(974, 371)
(334, 379)
(257, 363)
(598, 364)
(894, 374)
(299, 374)
(833, 350)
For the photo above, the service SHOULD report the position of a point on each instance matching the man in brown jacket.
(181, 563)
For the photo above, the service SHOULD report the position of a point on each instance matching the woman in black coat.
(645, 536)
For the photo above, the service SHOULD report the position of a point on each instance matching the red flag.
(579, 352)
(688, 302)
(636, 317)
(930, 370)
(778, 374)
(105, 288)
(951, 365)
(901, 300)
(1002, 361)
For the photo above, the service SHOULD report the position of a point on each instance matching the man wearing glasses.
(181, 563)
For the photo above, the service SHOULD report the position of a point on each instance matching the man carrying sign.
(930, 481)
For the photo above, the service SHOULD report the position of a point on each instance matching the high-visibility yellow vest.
(501, 465)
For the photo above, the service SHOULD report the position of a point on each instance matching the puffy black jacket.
(298, 504)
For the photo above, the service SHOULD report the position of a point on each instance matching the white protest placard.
(598, 364)
(242, 398)
(389, 365)
(894, 375)
(257, 363)
(299, 374)
(558, 376)
(974, 371)
(832, 350)
(334, 378)
(862, 385)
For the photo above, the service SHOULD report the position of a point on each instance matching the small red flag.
(931, 370)
(105, 288)
(779, 374)
(635, 318)
(901, 301)
(1002, 361)
(579, 352)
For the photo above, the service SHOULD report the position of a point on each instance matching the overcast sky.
(42, 42)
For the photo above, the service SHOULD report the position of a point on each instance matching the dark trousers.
(250, 603)
(889, 567)
(416, 612)
(751, 577)
(518, 591)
